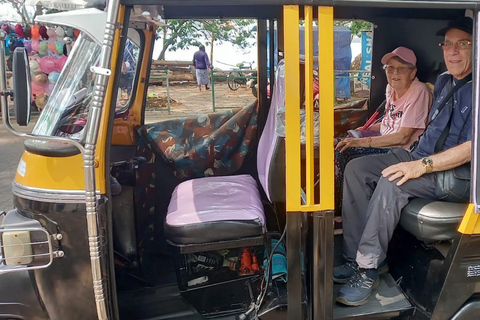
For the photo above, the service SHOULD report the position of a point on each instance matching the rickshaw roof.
(268, 9)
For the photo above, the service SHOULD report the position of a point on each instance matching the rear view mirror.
(21, 86)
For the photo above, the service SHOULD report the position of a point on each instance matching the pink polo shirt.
(410, 111)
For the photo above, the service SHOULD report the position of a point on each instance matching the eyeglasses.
(400, 70)
(461, 45)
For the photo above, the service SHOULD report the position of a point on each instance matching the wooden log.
(172, 63)
(174, 77)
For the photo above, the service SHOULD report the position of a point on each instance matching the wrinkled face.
(458, 59)
(399, 75)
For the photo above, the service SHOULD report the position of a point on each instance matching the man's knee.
(356, 165)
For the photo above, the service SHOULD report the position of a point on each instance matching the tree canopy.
(356, 26)
(18, 6)
(183, 34)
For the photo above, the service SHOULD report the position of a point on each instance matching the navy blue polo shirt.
(461, 125)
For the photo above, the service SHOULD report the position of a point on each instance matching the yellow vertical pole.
(326, 85)
(292, 103)
(310, 166)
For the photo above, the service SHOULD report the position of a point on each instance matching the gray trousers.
(372, 205)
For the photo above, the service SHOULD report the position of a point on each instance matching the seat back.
(271, 148)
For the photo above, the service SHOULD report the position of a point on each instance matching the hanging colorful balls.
(60, 32)
(53, 76)
(52, 36)
(35, 45)
(43, 48)
(36, 89)
(19, 31)
(34, 66)
(59, 47)
(41, 101)
(47, 64)
(40, 79)
(36, 33)
(28, 46)
(43, 32)
(52, 47)
(60, 62)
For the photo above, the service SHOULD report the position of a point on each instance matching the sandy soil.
(186, 99)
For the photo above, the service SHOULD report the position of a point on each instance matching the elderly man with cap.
(377, 187)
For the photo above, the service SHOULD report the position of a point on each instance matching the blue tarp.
(342, 57)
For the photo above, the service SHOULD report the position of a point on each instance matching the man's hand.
(351, 143)
(405, 171)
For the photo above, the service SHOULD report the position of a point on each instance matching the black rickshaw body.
(90, 254)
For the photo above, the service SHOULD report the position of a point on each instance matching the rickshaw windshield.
(65, 113)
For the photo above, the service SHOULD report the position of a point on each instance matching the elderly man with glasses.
(377, 187)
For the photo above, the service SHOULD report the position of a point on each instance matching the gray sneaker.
(344, 272)
(358, 290)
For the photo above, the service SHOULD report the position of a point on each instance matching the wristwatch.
(428, 164)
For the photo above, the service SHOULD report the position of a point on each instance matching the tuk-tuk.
(219, 216)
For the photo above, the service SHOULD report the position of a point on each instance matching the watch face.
(427, 161)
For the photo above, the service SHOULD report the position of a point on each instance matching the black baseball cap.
(463, 23)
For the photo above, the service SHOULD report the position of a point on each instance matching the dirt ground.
(186, 99)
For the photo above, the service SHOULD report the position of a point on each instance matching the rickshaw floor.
(156, 303)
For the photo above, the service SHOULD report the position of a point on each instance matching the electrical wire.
(262, 294)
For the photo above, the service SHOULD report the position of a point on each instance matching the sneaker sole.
(381, 270)
(361, 302)
(341, 281)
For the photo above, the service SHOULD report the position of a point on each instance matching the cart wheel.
(234, 82)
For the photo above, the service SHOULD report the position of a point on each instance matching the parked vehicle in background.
(241, 76)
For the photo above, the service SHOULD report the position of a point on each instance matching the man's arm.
(449, 159)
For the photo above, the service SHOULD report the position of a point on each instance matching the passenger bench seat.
(431, 220)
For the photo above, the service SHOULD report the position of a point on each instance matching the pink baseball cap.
(403, 53)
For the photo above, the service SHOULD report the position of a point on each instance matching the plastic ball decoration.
(36, 33)
(48, 89)
(40, 79)
(43, 32)
(60, 32)
(35, 45)
(19, 31)
(52, 36)
(47, 65)
(37, 90)
(27, 32)
(41, 101)
(59, 47)
(53, 77)
(28, 46)
(34, 66)
(5, 27)
(43, 48)
(52, 47)
(60, 63)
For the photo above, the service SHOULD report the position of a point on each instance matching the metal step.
(386, 302)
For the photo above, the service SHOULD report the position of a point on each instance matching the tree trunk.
(161, 56)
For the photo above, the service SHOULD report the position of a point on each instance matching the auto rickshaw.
(219, 216)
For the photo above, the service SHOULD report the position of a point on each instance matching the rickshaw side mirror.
(21, 86)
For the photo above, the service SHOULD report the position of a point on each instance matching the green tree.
(183, 34)
(19, 7)
(356, 26)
